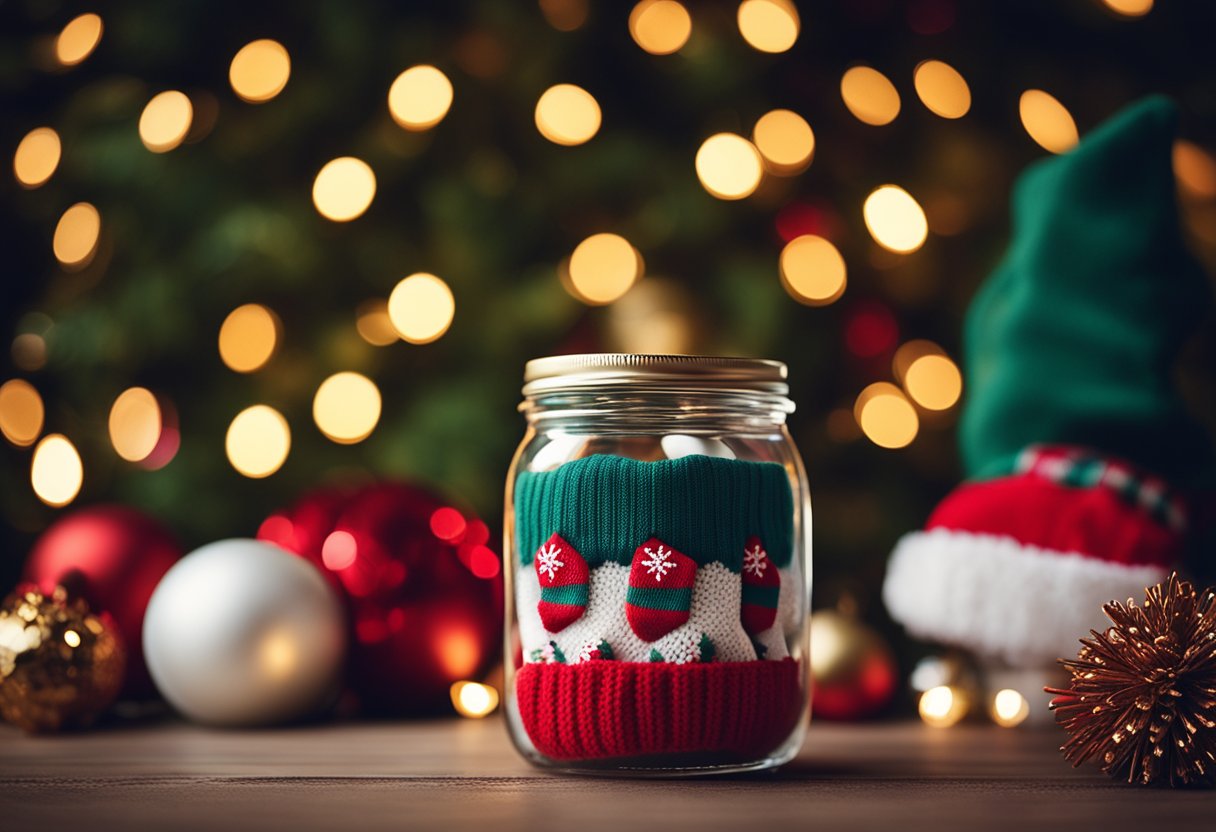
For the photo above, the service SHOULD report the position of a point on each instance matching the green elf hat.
(1075, 442)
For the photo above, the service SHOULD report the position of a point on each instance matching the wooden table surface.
(464, 774)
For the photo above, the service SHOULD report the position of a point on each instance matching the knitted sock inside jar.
(689, 573)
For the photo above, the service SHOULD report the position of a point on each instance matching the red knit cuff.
(600, 710)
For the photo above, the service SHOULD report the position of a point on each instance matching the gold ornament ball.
(60, 664)
(853, 669)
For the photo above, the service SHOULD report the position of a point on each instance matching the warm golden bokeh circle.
(934, 382)
(260, 70)
(135, 424)
(603, 267)
(248, 337)
(885, 416)
(420, 97)
(768, 25)
(813, 270)
(258, 441)
(942, 89)
(346, 407)
(869, 95)
(785, 140)
(78, 39)
(21, 412)
(895, 219)
(567, 115)
(165, 121)
(729, 166)
(343, 189)
(37, 157)
(660, 27)
(76, 235)
(1130, 8)
(1047, 121)
(421, 308)
(56, 471)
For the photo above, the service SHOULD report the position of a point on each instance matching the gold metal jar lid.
(594, 370)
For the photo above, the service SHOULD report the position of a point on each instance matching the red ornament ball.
(113, 557)
(423, 588)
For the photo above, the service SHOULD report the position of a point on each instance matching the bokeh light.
(37, 157)
(729, 166)
(483, 563)
(340, 550)
(135, 424)
(785, 141)
(1047, 121)
(420, 97)
(1009, 708)
(895, 220)
(78, 39)
(76, 235)
(603, 267)
(660, 27)
(567, 115)
(248, 337)
(1130, 8)
(886, 416)
(56, 471)
(29, 351)
(344, 189)
(812, 270)
(942, 89)
(869, 95)
(258, 441)
(942, 706)
(259, 71)
(769, 25)
(565, 15)
(165, 121)
(374, 325)
(347, 407)
(421, 308)
(448, 524)
(21, 412)
(934, 382)
(473, 699)
(1195, 169)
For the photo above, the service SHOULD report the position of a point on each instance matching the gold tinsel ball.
(1142, 699)
(60, 664)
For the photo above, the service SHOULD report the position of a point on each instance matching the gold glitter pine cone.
(60, 664)
(1142, 701)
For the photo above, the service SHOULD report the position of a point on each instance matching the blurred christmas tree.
(181, 179)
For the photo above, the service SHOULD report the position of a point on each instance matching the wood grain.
(463, 774)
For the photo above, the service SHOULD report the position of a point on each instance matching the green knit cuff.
(705, 507)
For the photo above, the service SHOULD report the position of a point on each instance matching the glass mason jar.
(658, 530)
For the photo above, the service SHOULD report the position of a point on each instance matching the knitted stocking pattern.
(660, 589)
(563, 577)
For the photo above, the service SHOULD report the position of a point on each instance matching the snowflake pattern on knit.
(659, 563)
(547, 562)
(755, 560)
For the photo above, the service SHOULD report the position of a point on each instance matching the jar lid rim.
(611, 368)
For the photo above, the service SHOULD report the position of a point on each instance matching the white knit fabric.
(1004, 600)
(716, 600)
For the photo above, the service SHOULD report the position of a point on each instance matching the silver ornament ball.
(240, 632)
